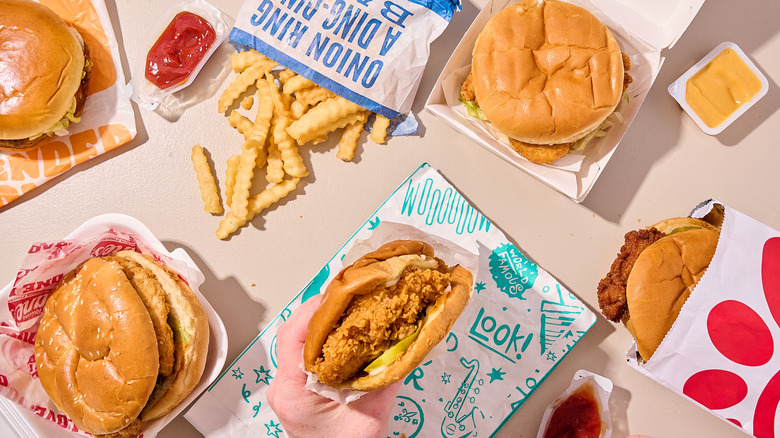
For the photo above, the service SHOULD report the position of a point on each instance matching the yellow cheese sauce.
(721, 87)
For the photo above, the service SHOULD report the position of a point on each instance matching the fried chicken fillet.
(612, 288)
(374, 322)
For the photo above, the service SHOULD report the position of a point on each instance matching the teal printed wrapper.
(518, 325)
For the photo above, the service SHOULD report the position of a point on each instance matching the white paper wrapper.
(43, 266)
(601, 389)
(372, 53)
(519, 324)
(107, 120)
(148, 95)
(575, 174)
(721, 350)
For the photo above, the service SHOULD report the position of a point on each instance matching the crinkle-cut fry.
(247, 103)
(297, 83)
(265, 111)
(242, 82)
(230, 178)
(231, 223)
(241, 61)
(246, 166)
(274, 172)
(241, 123)
(208, 186)
(281, 101)
(379, 129)
(286, 74)
(324, 118)
(349, 139)
(293, 163)
(313, 96)
(297, 109)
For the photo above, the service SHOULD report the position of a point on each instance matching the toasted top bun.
(98, 368)
(546, 73)
(661, 281)
(362, 277)
(41, 64)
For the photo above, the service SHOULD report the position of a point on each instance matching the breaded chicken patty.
(153, 297)
(612, 288)
(374, 322)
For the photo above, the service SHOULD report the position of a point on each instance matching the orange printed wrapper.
(107, 120)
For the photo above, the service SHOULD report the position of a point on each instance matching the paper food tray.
(518, 326)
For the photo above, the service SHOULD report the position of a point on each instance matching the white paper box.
(722, 351)
(642, 29)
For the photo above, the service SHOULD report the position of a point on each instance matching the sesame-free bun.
(546, 72)
(661, 281)
(41, 65)
(87, 359)
(122, 341)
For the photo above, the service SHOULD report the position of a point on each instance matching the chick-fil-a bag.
(722, 350)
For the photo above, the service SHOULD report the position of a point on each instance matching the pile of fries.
(291, 111)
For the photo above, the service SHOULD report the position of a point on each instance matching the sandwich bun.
(375, 271)
(653, 275)
(546, 72)
(43, 68)
(661, 281)
(122, 340)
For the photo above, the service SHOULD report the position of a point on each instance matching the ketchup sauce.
(178, 50)
(577, 417)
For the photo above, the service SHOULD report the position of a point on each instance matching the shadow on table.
(241, 315)
(655, 131)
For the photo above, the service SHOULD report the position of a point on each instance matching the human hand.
(304, 413)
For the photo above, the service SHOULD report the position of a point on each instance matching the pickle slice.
(687, 228)
(392, 353)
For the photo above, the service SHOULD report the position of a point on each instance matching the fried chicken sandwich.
(122, 341)
(380, 316)
(547, 75)
(44, 73)
(654, 274)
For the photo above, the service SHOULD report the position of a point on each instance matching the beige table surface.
(664, 166)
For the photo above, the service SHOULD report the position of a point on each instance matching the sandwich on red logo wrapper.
(62, 345)
(721, 352)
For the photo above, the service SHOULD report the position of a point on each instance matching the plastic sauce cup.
(679, 88)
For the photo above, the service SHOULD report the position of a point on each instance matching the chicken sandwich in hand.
(381, 316)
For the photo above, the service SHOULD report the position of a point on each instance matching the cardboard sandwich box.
(643, 30)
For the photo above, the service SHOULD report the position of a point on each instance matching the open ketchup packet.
(582, 411)
(183, 40)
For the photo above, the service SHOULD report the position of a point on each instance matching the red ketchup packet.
(582, 411)
(184, 39)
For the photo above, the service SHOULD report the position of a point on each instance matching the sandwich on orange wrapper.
(44, 73)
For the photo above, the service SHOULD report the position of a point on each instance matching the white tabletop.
(664, 166)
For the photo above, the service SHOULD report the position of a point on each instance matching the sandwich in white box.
(641, 30)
